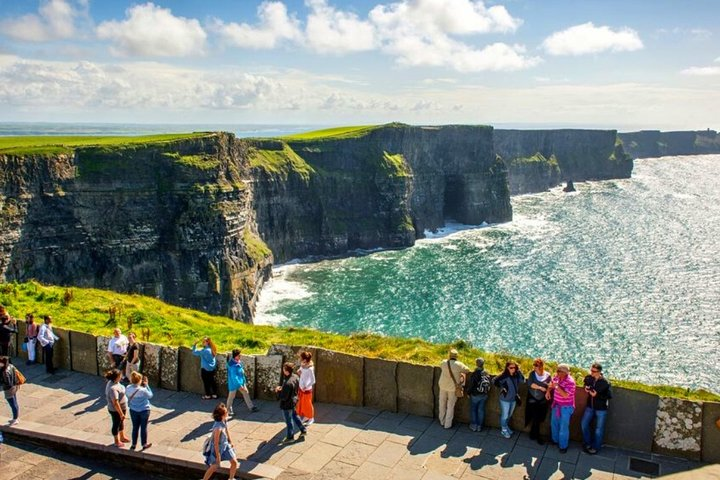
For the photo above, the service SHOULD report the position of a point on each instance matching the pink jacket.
(568, 384)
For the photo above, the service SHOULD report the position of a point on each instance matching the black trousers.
(48, 354)
(209, 383)
(5, 349)
(118, 425)
(535, 413)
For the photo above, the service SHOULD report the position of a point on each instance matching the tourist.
(562, 389)
(478, 388)
(31, 333)
(10, 385)
(8, 326)
(117, 348)
(132, 356)
(221, 446)
(452, 378)
(237, 382)
(508, 382)
(47, 339)
(305, 409)
(598, 390)
(287, 394)
(138, 398)
(117, 405)
(208, 365)
(536, 405)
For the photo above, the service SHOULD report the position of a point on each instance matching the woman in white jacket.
(306, 372)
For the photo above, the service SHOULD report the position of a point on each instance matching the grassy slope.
(338, 132)
(87, 311)
(29, 145)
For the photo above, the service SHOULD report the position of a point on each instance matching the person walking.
(450, 384)
(208, 365)
(132, 356)
(478, 388)
(562, 390)
(8, 326)
(117, 406)
(47, 339)
(306, 372)
(220, 446)
(31, 333)
(508, 382)
(10, 380)
(237, 382)
(287, 393)
(139, 394)
(536, 405)
(117, 348)
(599, 394)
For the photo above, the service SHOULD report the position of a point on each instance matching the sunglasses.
(594, 371)
(512, 368)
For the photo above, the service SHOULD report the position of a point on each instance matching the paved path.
(345, 442)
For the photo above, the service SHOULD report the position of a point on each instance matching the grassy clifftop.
(89, 310)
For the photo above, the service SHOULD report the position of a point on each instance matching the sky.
(628, 65)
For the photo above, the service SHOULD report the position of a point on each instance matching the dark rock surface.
(654, 143)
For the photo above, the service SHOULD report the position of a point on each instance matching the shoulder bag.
(459, 391)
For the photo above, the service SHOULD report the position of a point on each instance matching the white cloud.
(150, 30)
(55, 20)
(587, 38)
(275, 26)
(701, 71)
(329, 30)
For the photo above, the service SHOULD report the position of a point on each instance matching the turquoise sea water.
(625, 272)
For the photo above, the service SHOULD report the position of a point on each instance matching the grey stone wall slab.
(711, 432)
(189, 379)
(249, 367)
(286, 351)
(340, 378)
(415, 389)
(83, 351)
(380, 384)
(221, 374)
(169, 368)
(150, 363)
(268, 370)
(678, 428)
(61, 350)
(19, 337)
(101, 347)
(631, 419)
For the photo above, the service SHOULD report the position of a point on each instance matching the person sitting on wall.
(598, 390)
(452, 378)
(117, 349)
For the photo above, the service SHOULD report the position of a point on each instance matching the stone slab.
(83, 351)
(102, 354)
(678, 428)
(249, 367)
(189, 379)
(711, 432)
(631, 419)
(415, 389)
(150, 363)
(169, 368)
(268, 370)
(19, 337)
(380, 384)
(61, 349)
(340, 378)
(221, 374)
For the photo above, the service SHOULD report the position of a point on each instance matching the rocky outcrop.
(533, 174)
(654, 143)
(581, 155)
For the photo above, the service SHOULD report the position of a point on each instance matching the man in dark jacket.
(288, 394)
(598, 390)
(8, 326)
(478, 388)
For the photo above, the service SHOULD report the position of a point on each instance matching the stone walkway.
(344, 443)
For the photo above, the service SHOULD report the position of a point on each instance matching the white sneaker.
(13, 422)
(231, 413)
(309, 421)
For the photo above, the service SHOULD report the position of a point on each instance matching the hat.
(563, 367)
(453, 353)
(479, 362)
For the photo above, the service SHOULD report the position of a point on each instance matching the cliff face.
(170, 220)
(654, 143)
(581, 154)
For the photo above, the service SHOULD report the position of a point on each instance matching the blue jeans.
(139, 422)
(290, 417)
(560, 425)
(12, 401)
(477, 409)
(600, 417)
(506, 411)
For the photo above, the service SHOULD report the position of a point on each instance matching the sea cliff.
(654, 143)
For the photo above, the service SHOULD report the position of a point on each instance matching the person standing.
(8, 326)
(220, 446)
(562, 389)
(117, 348)
(508, 382)
(536, 405)
(237, 382)
(31, 333)
(117, 406)
(47, 339)
(208, 365)
(598, 390)
(452, 378)
(288, 394)
(478, 388)
(139, 394)
(132, 356)
(305, 409)
(10, 385)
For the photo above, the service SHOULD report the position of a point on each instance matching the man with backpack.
(478, 388)
(598, 390)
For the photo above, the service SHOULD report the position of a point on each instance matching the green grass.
(200, 162)
(87, 311)
(281, 161)
(334, 133)
(538, 158)
(36, 145)
(396, 165)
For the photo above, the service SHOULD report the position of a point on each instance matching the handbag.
(459, 390)
(24, 347)
(19, 378)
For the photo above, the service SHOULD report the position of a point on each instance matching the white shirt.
(46, 335)
(118, 345)
(307, 378)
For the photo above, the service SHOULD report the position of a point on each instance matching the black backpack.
(482, 386)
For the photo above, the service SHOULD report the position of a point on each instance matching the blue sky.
(625, 65)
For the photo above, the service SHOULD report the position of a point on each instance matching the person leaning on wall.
(47, 339)
(599, 394)
(450, 384)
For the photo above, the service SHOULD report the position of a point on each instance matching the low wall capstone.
(381, 387)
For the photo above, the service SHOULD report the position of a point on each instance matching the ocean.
(624, 272)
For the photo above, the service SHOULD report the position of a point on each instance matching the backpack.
(19, 378)
(207, 444)
(483, 387)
